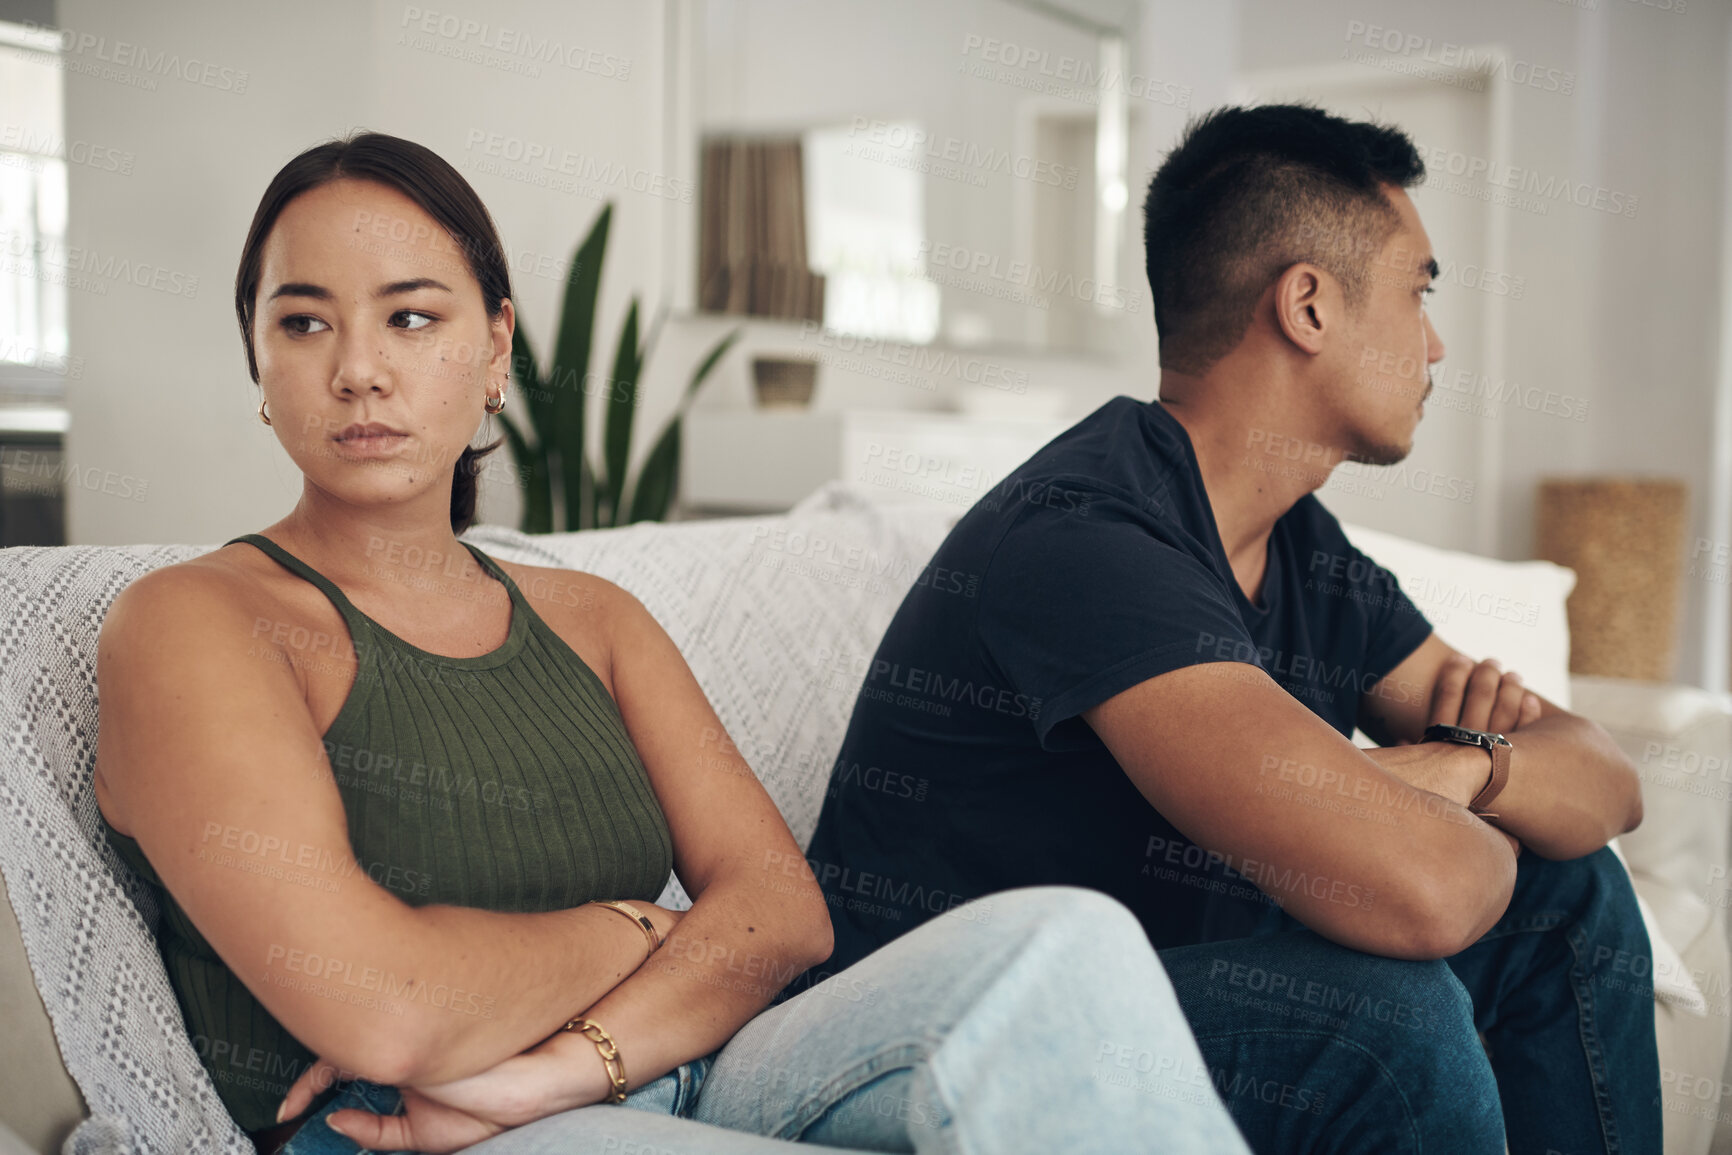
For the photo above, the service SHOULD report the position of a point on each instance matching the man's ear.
(1302, 301)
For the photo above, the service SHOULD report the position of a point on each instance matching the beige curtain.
(752, 239)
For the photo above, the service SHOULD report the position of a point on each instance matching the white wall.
(1621, 310)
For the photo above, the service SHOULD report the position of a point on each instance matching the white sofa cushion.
(1680, 740)
(85, 919)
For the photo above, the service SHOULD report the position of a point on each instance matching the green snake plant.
(551, 454)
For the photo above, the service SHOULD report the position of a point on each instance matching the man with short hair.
(1148, 682)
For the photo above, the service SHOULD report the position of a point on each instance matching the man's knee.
(1426, 998)
(1594, 889)
(1305, 981)
(1388, 1031)
(1573, 883)
(1416, 1006)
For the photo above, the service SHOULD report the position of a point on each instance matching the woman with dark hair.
(408, 886)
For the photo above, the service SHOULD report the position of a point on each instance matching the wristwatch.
(1496, 744)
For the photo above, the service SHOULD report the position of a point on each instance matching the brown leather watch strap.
(1500, 752)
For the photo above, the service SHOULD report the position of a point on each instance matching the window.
(33, 156)
(865, 229)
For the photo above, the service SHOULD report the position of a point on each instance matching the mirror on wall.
(954, 173)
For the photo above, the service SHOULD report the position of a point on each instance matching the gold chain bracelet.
(610, 1059)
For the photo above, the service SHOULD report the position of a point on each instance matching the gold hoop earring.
(263, 416)
(490, 407)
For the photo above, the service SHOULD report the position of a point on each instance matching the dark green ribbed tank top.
(505, 781)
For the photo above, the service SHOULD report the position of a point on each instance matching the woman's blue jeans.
(1032, 1020)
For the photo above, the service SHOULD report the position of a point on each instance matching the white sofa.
(777, 617)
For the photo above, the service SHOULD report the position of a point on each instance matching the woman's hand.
(426, 1124)
(545, 1080)
(561, 1073)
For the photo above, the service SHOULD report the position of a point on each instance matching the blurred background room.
(919, 223)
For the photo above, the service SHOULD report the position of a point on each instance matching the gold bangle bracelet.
(651, 935)
(610, 1060)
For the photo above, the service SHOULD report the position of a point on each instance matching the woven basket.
(784, 382)
(1624, 538)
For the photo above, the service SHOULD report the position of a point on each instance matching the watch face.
(1444, 732)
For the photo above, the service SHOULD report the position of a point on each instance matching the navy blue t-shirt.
(967, 767)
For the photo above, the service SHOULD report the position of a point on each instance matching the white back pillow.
(1486, 608)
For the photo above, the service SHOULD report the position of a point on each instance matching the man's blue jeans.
(1317, 1047)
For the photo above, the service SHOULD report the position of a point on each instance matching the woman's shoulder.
(191, 628)
(573, 588)
(218, 583)
(220, 607)
(581, 607)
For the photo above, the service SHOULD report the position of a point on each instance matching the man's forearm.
(1570, 790)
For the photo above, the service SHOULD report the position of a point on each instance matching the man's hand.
(1570, 787)
(1481, 696)
(1449, 769)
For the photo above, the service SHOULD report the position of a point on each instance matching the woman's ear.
(504, 325)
